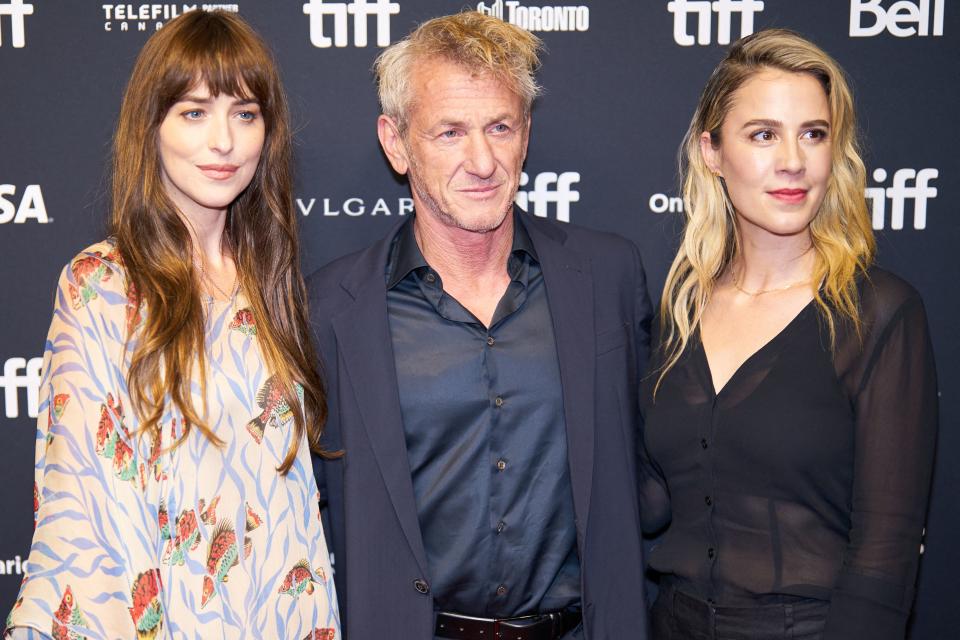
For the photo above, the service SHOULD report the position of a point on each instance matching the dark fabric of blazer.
(601, 312)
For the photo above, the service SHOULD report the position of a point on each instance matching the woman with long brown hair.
(791, 415)
(180, 402)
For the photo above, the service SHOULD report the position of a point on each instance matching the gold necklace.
(760, 292)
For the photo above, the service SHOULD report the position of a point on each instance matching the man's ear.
(392, 143)
(711, 154)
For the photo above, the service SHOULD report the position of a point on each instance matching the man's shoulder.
(579, 237)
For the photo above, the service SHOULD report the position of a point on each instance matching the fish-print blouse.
(134, 539)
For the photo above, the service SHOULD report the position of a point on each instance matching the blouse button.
(703, 443)
(711, 553)
(501, 590)
(491, 341)
(708, 500)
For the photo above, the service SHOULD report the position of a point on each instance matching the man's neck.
(472, 265)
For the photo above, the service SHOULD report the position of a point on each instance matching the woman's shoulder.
(883, 294)
(95, 273)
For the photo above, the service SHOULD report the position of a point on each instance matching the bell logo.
(549, 187)
(899, 193)
(898, 19)
(31, 205)
(361, 10)
(704, 10)
(16, 10)
(12, 381)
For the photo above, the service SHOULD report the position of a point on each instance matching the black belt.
(540, 626)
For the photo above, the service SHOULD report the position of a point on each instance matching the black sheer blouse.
(808, 474)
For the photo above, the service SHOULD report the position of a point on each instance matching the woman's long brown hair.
(221, 51)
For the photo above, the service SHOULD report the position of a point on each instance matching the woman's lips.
(791, 196)
(218, 171)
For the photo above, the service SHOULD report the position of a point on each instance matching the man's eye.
(450, 133)
(500, 128)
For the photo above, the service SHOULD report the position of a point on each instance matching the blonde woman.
(174, 493)
(791, 414)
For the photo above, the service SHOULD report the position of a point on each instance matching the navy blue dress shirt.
(483, 418)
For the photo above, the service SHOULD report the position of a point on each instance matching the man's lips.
(218, 171)
(789, 195)
(480, 192)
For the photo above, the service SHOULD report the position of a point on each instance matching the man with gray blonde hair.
(482, 369)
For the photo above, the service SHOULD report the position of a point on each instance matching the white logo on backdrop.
(16, 10)
(549, 188)
(12, 567)
(704, 10)
(551, 18)
(354, 207)
(899, 193)
(138, 17)
(28, 206)
(318, 10)
(12, 381)
(661, 203)
(902, 18)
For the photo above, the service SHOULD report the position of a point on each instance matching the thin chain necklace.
(205, 277)
(760, 292)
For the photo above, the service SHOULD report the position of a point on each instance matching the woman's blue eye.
(249, 116)
(193, 114)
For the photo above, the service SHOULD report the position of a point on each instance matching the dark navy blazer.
(598, 300)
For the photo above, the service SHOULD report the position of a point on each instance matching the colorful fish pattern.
(147, 609)
(68, 613)
(221, 557)
(300, 579)
(243, 322)
(276, 410)
(157, 531)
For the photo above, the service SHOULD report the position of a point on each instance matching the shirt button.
(498, 401)
(711, 553)
(490, 340)
(421, 586)
(501, 464)
(708, 500)
(703, 443)
(501, 590)
(431, 278)
(500, 526)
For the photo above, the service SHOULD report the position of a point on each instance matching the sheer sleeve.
(895, 409)
(92, 530)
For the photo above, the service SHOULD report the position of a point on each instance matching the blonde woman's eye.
(764, 135)
(817, 134)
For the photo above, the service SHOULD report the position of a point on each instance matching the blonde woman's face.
(774, 153)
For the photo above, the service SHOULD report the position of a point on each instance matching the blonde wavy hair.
(842, 238)
(477, 42)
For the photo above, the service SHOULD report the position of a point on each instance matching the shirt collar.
(405, 254)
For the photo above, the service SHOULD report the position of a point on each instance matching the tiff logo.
(704, 10)
(16, 10)
(549, 187)
(360, 10)
(12, 381)
(899, 193)
(900, 13)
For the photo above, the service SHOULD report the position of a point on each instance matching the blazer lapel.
(569, 285)
(364, 343)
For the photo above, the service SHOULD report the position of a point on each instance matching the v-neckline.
(705, 361)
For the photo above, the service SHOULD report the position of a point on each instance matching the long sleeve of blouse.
(893, 389)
